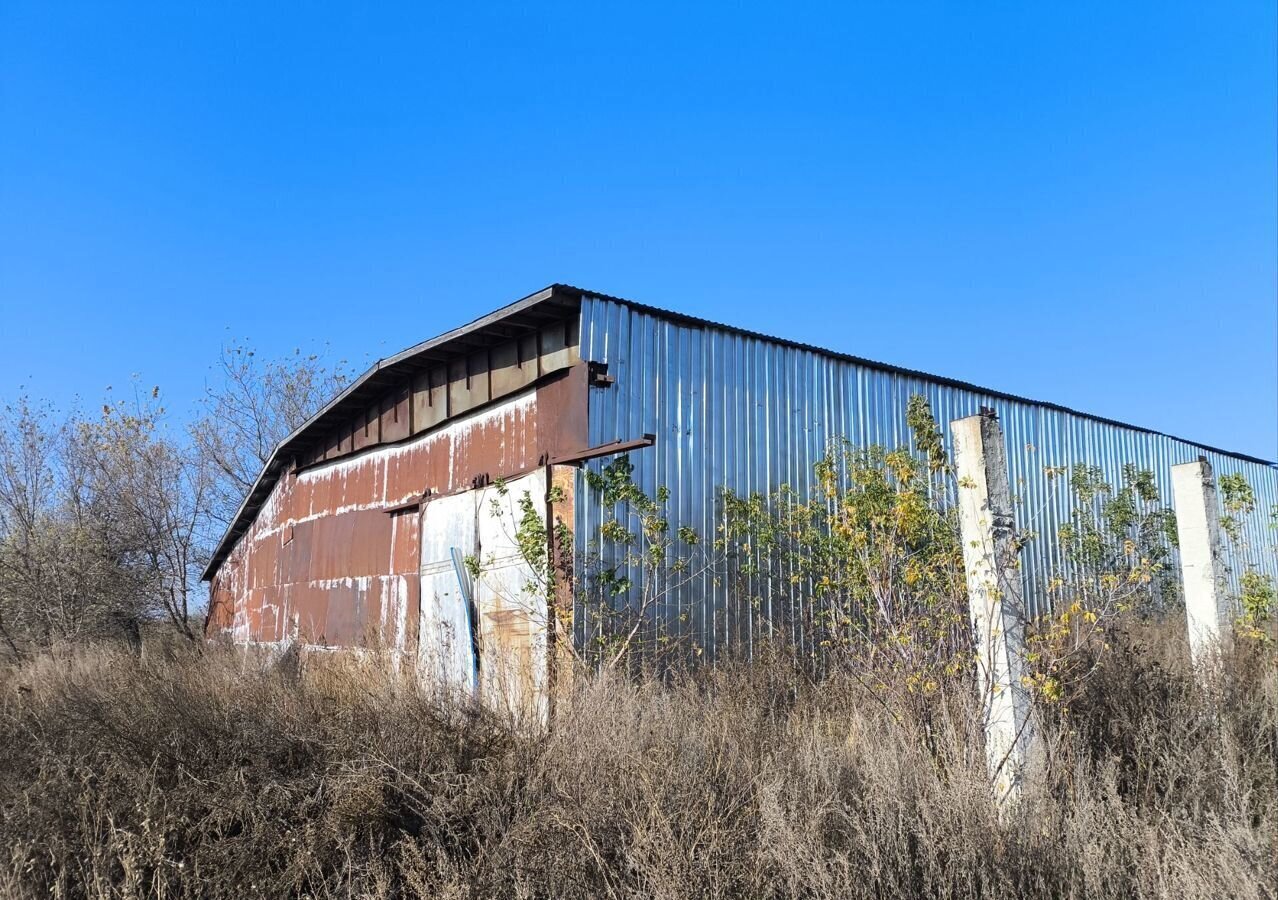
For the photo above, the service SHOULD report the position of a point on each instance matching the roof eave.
(554, 294)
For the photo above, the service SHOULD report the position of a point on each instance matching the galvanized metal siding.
(738, 411)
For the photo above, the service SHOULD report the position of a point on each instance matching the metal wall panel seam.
(779, 407)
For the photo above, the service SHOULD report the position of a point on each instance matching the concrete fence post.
(996, 600)
(1202, 566)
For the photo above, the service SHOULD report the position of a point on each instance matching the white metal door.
(445, 648)
(510, 595)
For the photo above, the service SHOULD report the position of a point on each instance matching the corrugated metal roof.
(494, 328)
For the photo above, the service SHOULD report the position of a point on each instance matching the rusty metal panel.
(511, 370)
(332, 444)
(220, 619)
(339, 441)
(561, 527)
(313, 455)
(562, 408)
(395, 415)
(478, 367)
(430, 399)
(326, 564)
(530, 352)
(459, 398)
(486, 331)
(557, 351)
(365, 428)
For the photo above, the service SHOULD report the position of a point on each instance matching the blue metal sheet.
(736, 410)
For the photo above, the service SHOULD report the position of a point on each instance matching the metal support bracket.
(603, 450)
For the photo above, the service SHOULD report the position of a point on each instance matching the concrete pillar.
(1207, 605)
(996, 599)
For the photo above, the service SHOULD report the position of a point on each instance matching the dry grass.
(187, 775)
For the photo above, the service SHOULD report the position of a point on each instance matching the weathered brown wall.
(325, 563)
(423, 400)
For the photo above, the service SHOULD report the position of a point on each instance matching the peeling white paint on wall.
(267, 599)
(495, 414)
(457, 433)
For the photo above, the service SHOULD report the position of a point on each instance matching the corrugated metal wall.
(736, 411)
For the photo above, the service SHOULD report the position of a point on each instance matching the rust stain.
(323, 562)
(510, 678)
(561, 521)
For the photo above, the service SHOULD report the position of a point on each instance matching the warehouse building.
(390, 519)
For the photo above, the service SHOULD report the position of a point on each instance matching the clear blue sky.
(1076, 202)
